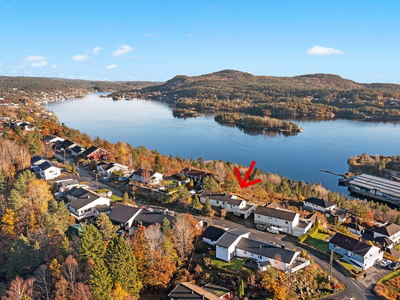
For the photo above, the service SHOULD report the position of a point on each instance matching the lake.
(322, 144)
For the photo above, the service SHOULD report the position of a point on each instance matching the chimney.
(260, 246)
(283, 246)
(202, 296)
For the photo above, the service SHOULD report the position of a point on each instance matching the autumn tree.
(19, 288)
(118, 292)
(220, 172)
(70, 271)
(121, 264)
(8, 221)
(209, 184)
(139, 249)
(184, 234)
(42, 282)
(106, 227)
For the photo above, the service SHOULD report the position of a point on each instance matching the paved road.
(358, 289)
(88, 177)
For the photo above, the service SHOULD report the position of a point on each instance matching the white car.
(273, 229)
(385, 262)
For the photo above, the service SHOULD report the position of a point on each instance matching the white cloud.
(33, 58)
(323, 51)
(39, 64)
(14, 72)
(80, 58)
(111, 67)
(96, 50)
(61, 75)
(378, 76)
(53, 66)
(123, 50)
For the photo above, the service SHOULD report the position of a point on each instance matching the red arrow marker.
(243, 183)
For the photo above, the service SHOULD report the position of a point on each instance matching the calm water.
(323, 144)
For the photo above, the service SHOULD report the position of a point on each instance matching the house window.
(258, 216)
(244, 252)
(260, 257)
(286, 222)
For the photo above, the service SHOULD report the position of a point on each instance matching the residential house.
(146, 218)
(42, 166)
(390, 230)
(85, 203)
(217, 290)
(230, 203)
(76, 150)
(108, 168)
(50, 139)
(67, 184)
(95, 153)
(236, 243)
(191, 291)
(146, 176)
(194, 174)
(288, 221)
(124, 216)
(212, 233)
(355, 228)
(319, 205)
(354, 251)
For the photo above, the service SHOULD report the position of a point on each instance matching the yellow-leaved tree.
(8, 221)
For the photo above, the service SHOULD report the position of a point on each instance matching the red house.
(95, 153)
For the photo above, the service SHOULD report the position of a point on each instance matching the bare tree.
(19, 288)
(42, 283)
(183, 234)
(220, 172)
(153, 236)
(82, 292)
(70, 270)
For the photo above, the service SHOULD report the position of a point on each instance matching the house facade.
(95, 153)
(230, 203)
(390, 230)
(146, 176)
(354, 251)
(124, 215)
(42, 166)
(108, 168)
(88, 205)
(319, 205)
(194, 173)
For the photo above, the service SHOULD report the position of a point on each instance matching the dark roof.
(354, 226)
(66, 143)
(148, 218)
(102, 208)
(303, 224)
(213, 233)
(230, 199)
(388, 230)
(140, 171)
(68, 182)
(122, 213)
(37, 158)
(77, 192)
(319, 202)
(265, 249)
(383, 240)
(350, 244)
(44, 166)
(190, 291)
(217, 290)
(229, 237)
(89, 151)
(195, 173)
(275, 213)
(76, 149)
(374, 183)
(83, 201)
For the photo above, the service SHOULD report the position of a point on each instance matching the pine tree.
(58, 218)
(195, 201)
(100, 281)
(207, 207)
(209, 184)
(64, 249)
(92, 245)
(158, 166)
(73, 169)
(121, 264)
(166, 225)
(15, 200)
(241, 288)
(126, 197)
(106, 227)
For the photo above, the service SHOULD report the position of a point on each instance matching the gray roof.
(350, 244)
(148, 218)
(354, 226)
(229, 237)
(266, 249)
(215, 289)
(68, 182)
(37, 158)
(224, 197)
(320, 202)
(303, 224)
(77, 192)
(385, 186)
(81, 202)
(388, 230)
(190, 291)
(102, 208)
(213, 233)
(275, 213)
(122, 213)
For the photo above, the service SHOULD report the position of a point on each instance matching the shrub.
(303, 237)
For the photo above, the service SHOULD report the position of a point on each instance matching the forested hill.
(231, 84)
(43, 84)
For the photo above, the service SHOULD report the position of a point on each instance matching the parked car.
(273, 229)
(143, 208)
(384, 263)
(394, 266)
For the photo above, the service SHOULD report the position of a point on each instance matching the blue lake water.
(322, 144)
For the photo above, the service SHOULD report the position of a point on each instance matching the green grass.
(349, 266)
(398, 247)
(115, 198)
(389, 276)
(102, 191)
(317, 241)
(235, 264)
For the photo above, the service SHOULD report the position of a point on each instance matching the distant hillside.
(231, 84)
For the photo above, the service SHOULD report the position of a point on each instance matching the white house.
(108, 168)
(88, 205)
(44, 167)
(288, 221)
(124, 215)
(230, 203)
(390, 230)
(355, 228)
(236, 243)
(146, 176)
(354, 251)
(212, 233)
(318, 204)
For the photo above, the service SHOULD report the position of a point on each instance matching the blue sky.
(156, 40)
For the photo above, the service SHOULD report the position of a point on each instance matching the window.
(244, 252)
(286, 222)
(260, 257)
(258, 216)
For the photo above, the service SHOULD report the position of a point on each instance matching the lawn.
(349, 266)
(318, 241)
(398, 247)
(115, 198)
(235, 264)
(389, 276)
